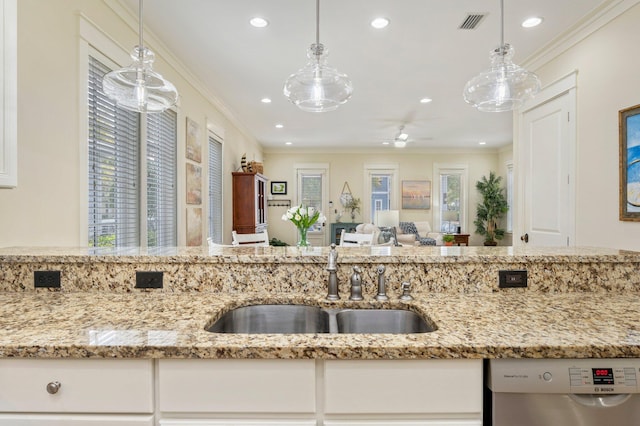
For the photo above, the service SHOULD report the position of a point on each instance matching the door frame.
(566, 85)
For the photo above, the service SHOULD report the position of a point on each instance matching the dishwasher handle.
(600, 401)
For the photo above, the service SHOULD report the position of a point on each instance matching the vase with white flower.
(303, 218)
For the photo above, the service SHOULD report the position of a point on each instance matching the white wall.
(349, 167)
(45, 208)
(608, 80)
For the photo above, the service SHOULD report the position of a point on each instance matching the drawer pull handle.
(53, 387)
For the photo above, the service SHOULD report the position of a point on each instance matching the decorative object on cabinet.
(194, 184)
(249, 202)
(416, 194)
(354, 206)
(336, 230)
(491, 209)
(318, 87)
(279, 188)
(243, 163)
(194, 226)
(256, 166)
(505, 86)
(194, 146)
(138, 87)
(629, 120)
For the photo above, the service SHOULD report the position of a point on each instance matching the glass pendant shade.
(138, 87)
(504, 87)
(318, 87)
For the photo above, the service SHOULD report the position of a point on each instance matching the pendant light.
(138, 87)
(318, 87)
(505, 86)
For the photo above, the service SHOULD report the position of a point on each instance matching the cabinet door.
(237, 386)
(404, 386)
(85, 385)
(73, 420)
(239, 422)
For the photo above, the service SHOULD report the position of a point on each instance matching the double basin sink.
(288, 319)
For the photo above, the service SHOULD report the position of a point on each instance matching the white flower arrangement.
(303, 217)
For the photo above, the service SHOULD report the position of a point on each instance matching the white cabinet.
(330, 393)
(67, 389)
(439, 392)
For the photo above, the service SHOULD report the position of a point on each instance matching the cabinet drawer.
(225, 385)
(86, 386)
(411, 386)
(74, 420)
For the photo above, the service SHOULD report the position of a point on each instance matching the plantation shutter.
(215, 190)
(161, 179)
(113, 156)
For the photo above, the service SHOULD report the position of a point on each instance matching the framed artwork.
(194, 146)
(629, 120)
(416, 194)
(194, 227)
(279, 188)
(194, 184)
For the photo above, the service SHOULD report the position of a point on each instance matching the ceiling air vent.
(472, 21)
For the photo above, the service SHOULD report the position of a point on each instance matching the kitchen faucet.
(333, 277)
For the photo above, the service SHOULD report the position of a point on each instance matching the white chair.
(248, 240)
(355, 239)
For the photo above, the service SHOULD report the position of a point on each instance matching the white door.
(546, 157)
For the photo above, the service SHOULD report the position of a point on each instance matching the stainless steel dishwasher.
(564, 392)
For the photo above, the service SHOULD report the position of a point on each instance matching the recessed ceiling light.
(258, 22)
(265, 100)
(534, 21)
(385, 143)
(482, 143)
(379, 23)
(425, 100)
(288, 143)
(279, 126)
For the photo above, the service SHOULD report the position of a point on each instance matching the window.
(215, 190)
(380, 193)
(118, 177)
(311, 190)
(451, 195)
(380, 180)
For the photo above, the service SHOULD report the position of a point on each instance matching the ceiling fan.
(401, 138)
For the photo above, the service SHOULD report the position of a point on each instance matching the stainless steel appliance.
(564, 392)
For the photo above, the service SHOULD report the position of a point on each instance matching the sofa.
(417, 233)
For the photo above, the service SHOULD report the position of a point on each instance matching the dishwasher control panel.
(579, 376)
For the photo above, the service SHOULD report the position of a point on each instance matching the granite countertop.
(160, 325)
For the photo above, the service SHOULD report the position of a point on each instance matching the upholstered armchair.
(417, 233)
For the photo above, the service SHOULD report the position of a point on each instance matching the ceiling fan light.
(399, 143)
(318, 87)
(503, 87)
(403, 137)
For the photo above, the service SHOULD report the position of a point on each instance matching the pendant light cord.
(141, 48)
(318, 22)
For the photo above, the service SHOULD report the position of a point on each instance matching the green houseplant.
(448, 239)
(491, 209)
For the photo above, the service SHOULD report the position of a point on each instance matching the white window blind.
(116, 187)
(162, 225)
(215, 190)
(113, 167)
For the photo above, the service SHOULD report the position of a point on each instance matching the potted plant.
(448, 239)
(491, 209)
(354, 205)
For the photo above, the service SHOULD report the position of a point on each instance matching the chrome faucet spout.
(381, 296)
(332, 267)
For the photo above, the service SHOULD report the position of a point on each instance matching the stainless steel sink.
(288, 319)
(397, 321)
(262, 319)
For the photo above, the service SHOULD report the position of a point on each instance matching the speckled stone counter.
(580, 303)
